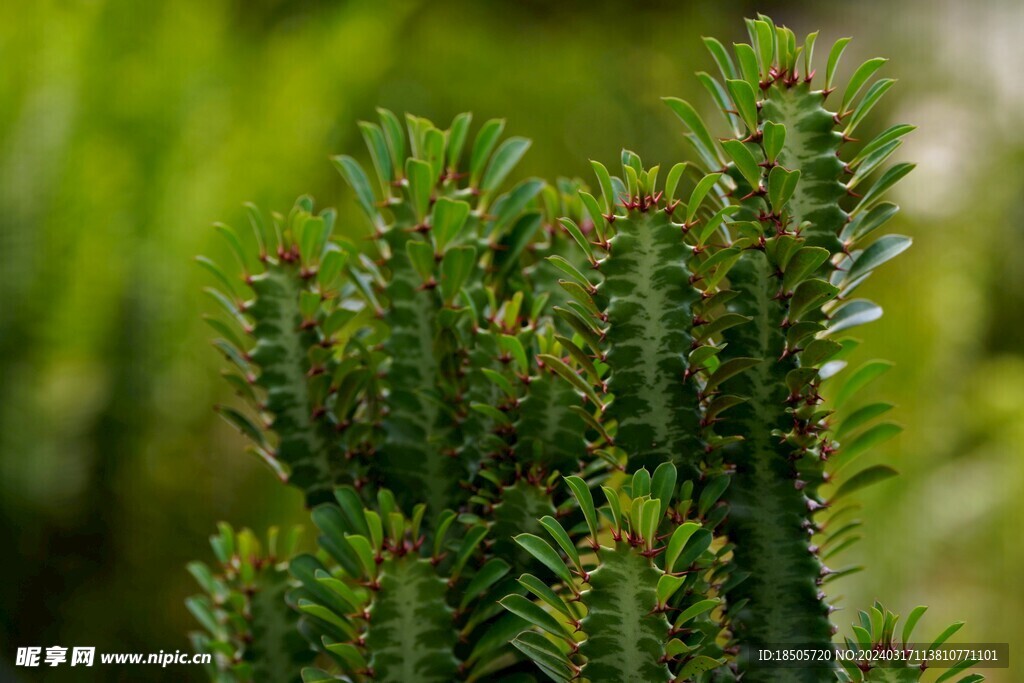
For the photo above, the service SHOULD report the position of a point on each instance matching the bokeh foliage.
(126, 128)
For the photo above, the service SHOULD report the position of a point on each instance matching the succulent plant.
(249, 628)
(610, 615)
(486, 356)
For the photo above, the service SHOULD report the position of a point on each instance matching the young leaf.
(504, 160)
(781, 186)
(701, 138)
(858, 79)
(773, 139)
(534, 614)
(421, 185)
(888, 179)
(585, 500)
(447, 218)
(745, 162)
(457, 265)
(486, 139)
(880, 251)
(860, 377)
(864, 478)
(457, 138)
(421, 255)
(360, 184)
(746, 102)
(540, 549)
(562, 539)
(721, 57)
(748, 64)
(701, 190)
(912, 619)
(833, 61)
(677, 542)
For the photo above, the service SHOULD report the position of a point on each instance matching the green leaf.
(364, 552)
(421, 186)
(614, 507)
(701, 190)
(577, 235)
(604, 180)
(395, 138)
(373, 522)
(570, 375)
(672, 180)
(492, 571)
(858, 79)
(486, 139)
(421, 255)
(713, 490)
(545, 593)
(698, 665)
(746, 102)
(862, 416)
(773, 140)
(880, 251)
(833, 61)
(944, 636)
(866, 477)
(889, 178)
(804, 262)
(540, 549)
(858, 379)
(884, 138)
(912, 619)
(457, 137)
(699, 135)
(810, 295)
(677, 542)
(745, 162)
(781, 187)
(667, 587)
(853, 313)
(809, 53)
(542, 651)
(562, 539)
(956, 670)
(360, 184)
(696, 609)
(721, 57)
(872, 437)
(818, 352)
(456, 267)
(379, 153)
(534, 614)
(730, 368)
(870, 99)
(467, 547)
(585, 500)
(447, 219)
(765, 46)
(663, 486)
(864, 224)
(748, 64)
(504, 160)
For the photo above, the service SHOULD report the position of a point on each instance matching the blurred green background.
(127, 127)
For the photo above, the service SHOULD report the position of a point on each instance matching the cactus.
(876, 631)
(249, 629)
(487, 357)
(382, 610)
(800, 227)
(608, 617)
